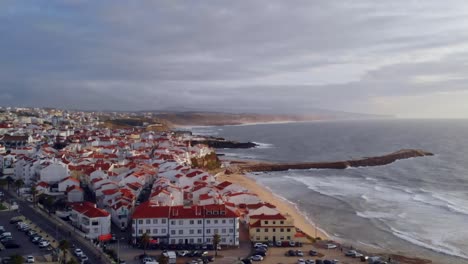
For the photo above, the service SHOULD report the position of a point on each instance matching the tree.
(3, 182)
(34, 194)
(64, 245)
(17, 259)
(49, 201)
(163, 259)
(18, 184)
(10, 181)
(216, 241)
(144, 240)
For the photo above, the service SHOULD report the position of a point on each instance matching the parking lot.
(26, 246)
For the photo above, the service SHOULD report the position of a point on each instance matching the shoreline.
(284, 206)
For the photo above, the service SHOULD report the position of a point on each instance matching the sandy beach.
(282, 205)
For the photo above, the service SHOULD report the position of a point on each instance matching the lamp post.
(118, 249)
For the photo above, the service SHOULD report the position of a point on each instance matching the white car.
(301, 261)
(330, 246)
(30, 259)
(44, 244)
(83, 257)
(78, 252)
(260, 245)
(256, 258)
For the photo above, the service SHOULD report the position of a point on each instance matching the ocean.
(418, 206)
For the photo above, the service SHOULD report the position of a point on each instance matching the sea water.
(417, 206)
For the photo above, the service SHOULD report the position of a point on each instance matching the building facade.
(186, 225)
(271, 228)
(92, 221)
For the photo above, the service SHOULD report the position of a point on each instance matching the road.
(49, 225)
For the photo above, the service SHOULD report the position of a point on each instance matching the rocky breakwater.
(363, 162)
(216, 142)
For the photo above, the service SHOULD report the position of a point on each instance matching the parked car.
(247, 261)
(260, 245)
(30, 259)
(2, 229)
(309, 261)
(256, 258)
(318, 261)
(260, 253)
(44, 244)
(78, 252)
(279, 243)
(330, 246)
(301, 261)
(36, 239)
(299, 253)
(290, 253)
(182, 253)
(292, 243)
(6, 234)
(83, 257)
(313, 253)
(5, 239)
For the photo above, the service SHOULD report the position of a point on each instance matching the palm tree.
(163, 259)
(216, 241)
(34, 193)
(64, 245)
(10, 180)
(49, 201)
(3, 182)
(18, 184)
(144, 240)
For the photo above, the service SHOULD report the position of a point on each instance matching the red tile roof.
(89, 209)
(268, 217)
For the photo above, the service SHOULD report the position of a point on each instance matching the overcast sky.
(400, 57)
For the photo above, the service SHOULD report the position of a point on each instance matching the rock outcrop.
(363, 162)
(222, 143)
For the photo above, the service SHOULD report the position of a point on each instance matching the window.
(274, 222)
(140, 231)
(231, 221)
(148, 221)
(288, 230)
(199, 231)
(181, 222)
(191, 231)
(155, 221)
(274, 229)
(288, 237)
(181, 241)
(216, 221)
(282, 230)
(163, 231)
(258, 230)
(208, 231)
(266, 222)
(191, 241)
(181, 232)
(172, 241)
(133, 221)
(208, 221)
(223, 239)
(282, 222)
(172, 222)
(163, 221)
(216, 231)
(199, 222)
(257, 238)
(266, 230)
(266, 238)
(172, 232)
(223, 221)
(140, 222)
(231, 230)
(199, 240)
(208, 240)
(148, 231)
(192, 222)
(155, 231)
(223, 231)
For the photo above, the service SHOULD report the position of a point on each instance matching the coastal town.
(141, 195)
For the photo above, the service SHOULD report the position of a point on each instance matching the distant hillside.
(219, 119)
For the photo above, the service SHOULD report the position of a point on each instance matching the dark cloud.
(229, 55)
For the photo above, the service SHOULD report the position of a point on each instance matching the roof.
(71, 179)
(268, 217)
(74, 188)
(150, 210)
(89, 209)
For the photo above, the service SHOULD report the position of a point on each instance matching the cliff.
(214, 142)
(363, 162)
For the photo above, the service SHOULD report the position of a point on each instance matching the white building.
(184, 225)
(92, 221)
(64, 184)
(54, 173)
(75, 194)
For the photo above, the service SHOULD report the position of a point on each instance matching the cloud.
(265, 56)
